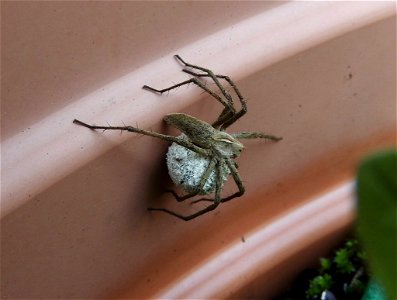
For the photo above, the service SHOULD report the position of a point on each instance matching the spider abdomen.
(186, 169)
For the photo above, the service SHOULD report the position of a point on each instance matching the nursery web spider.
(208, 142)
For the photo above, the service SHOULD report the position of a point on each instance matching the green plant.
(346, 274)
(343, 274)
(377, 216)
(319, 284)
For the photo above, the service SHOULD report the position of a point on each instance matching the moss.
(343, 275)
(319, 284)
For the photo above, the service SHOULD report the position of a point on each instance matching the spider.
(209, 151)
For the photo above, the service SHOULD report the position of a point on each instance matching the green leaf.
(343, 263)
(318, 284)
(377, 216)
(325, 264)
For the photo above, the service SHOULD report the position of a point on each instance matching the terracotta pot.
(74, 202)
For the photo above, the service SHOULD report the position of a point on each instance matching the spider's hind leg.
(232, 165)
(199, 188)
(217, 200)
(237, 179)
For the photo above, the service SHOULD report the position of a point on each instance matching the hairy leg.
(228, 115)
(209, 73)
(232, 165)
(255, 135)
(164, 137)
(202, 182)
(224, 120)
(237, 179)
(191, 80)
(216, 201)
(228, 111)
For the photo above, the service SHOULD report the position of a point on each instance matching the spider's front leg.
(256, 135)
(229, 110)
(229, 115)
(193, 80)
(169, 138)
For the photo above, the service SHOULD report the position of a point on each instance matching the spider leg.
(228, 111)
(212, 76)
(202, 200)
(169, 138)
(182, 198)
(256, 135)
(217, 200)
(237, 179)
(208, 72)
(226, 118)
(201, 184)
(232, 165)
(191, 80)
(243, 110)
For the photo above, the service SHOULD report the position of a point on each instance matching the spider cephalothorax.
(202, 157)
(205, 136)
